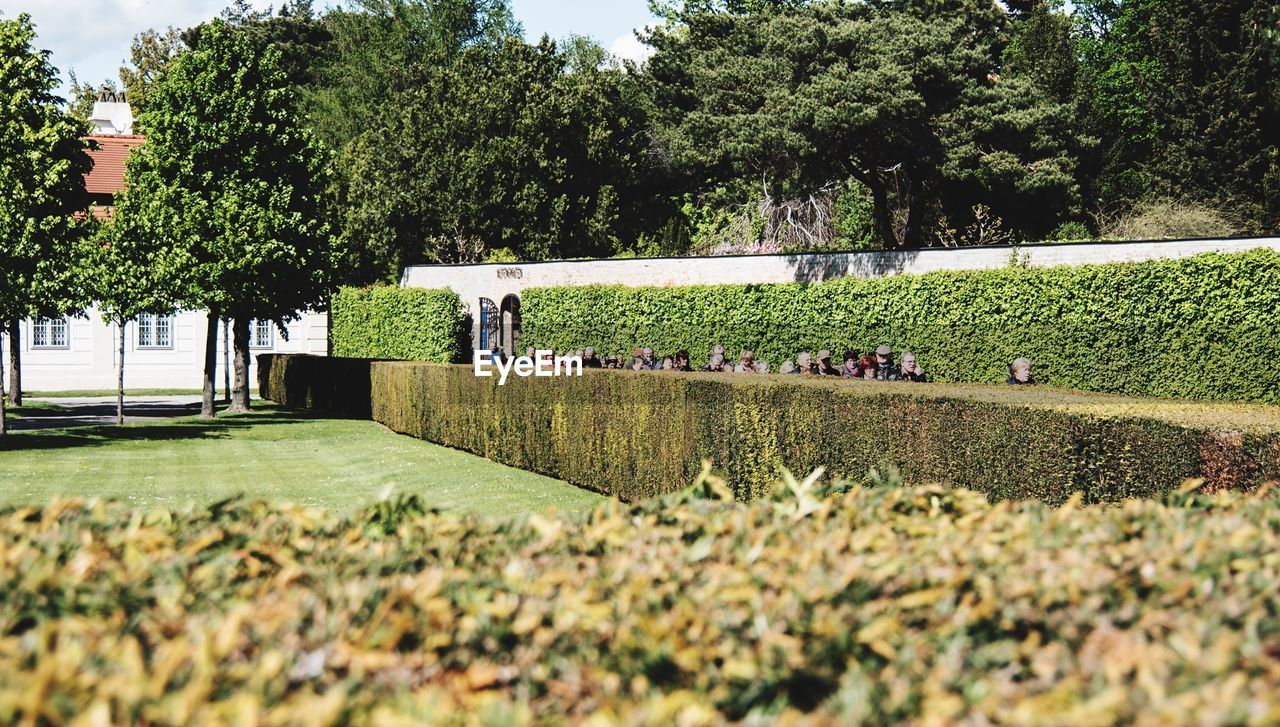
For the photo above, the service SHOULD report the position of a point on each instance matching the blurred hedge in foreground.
(882, 605)
(636, 435)
(406, 324)
(1205, 327)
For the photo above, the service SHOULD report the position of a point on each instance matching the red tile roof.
(107, 175)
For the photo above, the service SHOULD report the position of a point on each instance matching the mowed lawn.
(270, 454)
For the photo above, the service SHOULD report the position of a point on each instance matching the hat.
(824, 354)
(884, 350)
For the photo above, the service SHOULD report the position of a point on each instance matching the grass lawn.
(271, 454)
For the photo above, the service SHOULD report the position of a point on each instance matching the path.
(99, 410)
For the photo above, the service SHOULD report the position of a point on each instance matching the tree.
(907, 103)
(42, 167)
(128, 272)
(230, 174)
(149, 55)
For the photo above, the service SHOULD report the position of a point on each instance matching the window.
(155, 331)
(260, 334)
(49, 333)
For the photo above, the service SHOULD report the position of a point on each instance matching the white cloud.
(93, 36)
(630, 48)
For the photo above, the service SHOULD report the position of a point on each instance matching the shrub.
(875, 606)
(1206, 327)
(408, 324)
(323, 383)
(635, 435)
(1166, 219)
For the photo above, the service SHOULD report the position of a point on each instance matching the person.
(637, 363)
(885, 368)
(804, 363)
(1020, 373)
(824, 367)
(716, 364)
(762, 367)
(850, 369)
(531, 352)
(867, 367)
(716, 350)
(649, 362)
(581, 355)
(910, 370)
(746, 363)
(668, 363)
(788, 367)
(589, 360)
(681, 361)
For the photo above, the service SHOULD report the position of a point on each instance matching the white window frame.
(151, 324)
(256, 329)
(44, 329)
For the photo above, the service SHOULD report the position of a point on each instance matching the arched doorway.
(509, 337)
(490, 326)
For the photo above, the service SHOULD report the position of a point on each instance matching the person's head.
(590, 351)
(1020, 369)
(824, 358)
(637, 363)
(580, 353)
(867, 365)
(747, 358)
(804, 361)
(530, 351)
(850, 360)
(682, 359)
(717, 349)
(762, 367)
(884, 355)
(788, 367)
(717, 362)
(668, 363)
(908, 360)
(647, 353)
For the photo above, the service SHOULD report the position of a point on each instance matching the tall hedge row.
(1206, 327)
(321, 383)
(406, 324)
(638, 435)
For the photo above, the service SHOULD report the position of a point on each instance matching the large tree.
(906, 101)
(42, 167)
(229, 173)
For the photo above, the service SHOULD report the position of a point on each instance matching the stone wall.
(497, 281)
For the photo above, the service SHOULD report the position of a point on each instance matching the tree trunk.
(4, 426)
(240, 339)
(882, 214)
(913, 235)
(120, 379)
(15, 363)
(210, 365)
(226, 359)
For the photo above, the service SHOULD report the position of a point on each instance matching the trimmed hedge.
(1206, 327)
(886, 605)
(323, 383)
(404, 324)
(635, 435)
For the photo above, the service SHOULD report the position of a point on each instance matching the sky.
(92, 36)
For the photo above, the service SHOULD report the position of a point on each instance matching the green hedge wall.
(404, 324)
(637, 435)
(1206, 327)
(323, 383)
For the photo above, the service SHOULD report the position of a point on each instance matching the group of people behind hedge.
(876, 366)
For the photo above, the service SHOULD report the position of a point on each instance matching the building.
(491, 292)
(161, 352)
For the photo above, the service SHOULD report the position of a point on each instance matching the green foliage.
(636, 435)
(854, 217)
(229, 176)
(1166, 219)
(880, 605)
(1203, 327)
(1072, 231)
(410, 324)
(42, 163)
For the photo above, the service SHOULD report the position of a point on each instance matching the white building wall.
(89, 360)
(496, 281)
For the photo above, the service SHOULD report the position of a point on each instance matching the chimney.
(111, 113)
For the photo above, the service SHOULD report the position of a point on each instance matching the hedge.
(635, 435)
(873, 606)
(405, 324)
(1206, 327)
(323, 383)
